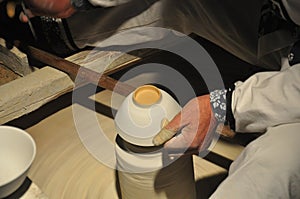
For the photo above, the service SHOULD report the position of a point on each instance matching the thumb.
(10, 9)
(25, 15)
(23, 18)
(168, 131)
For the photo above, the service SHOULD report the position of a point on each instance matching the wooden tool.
(75, 70)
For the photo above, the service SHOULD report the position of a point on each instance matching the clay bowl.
(143, 113)
(17, 152)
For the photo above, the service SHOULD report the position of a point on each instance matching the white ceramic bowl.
(142, 114)
(17, 152)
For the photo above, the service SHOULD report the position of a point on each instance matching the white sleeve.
(107, 3)
(267, 99)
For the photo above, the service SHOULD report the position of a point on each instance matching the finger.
(23, 18)
(181, 141)
(176, 123)
(163, 136)
(29, 13)
(193, 136)
(168, 131)
(11, 9)
(209, 136)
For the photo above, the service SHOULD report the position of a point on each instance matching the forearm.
(267, 99)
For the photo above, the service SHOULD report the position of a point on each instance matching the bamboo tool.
(74, 70)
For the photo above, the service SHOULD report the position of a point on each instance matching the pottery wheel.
(63, 168)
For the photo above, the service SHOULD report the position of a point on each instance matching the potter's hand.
(53, 8)
(195, 122)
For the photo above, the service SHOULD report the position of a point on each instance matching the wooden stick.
(75, 70)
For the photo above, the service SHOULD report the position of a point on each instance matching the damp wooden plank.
(11, 109)
(28, 93)
(107, 61)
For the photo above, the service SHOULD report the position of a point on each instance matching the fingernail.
(23, 18)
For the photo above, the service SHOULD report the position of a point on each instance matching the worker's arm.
(267, 99)
(54, 8)
(264, 100)
(63, 8)
(194, 125)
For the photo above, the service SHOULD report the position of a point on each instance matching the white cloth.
(292, 7)
(214, 20)
(103, 23)
(108, 3)
(267, 99)
(268, 168)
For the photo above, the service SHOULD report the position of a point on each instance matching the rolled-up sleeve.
(267, 99)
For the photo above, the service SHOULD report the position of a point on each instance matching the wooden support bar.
(75, 70)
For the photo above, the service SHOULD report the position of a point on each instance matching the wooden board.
(28, 93)
(40, 86)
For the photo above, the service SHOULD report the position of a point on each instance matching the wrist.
(218, 104)
(221, 107)
(229, 121)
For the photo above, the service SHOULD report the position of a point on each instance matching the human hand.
(195, 122)
(53, 8)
